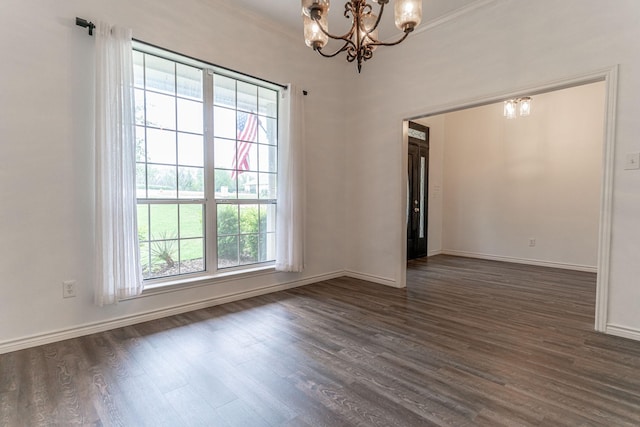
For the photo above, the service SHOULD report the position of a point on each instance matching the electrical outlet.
(532, 242)
(68, 289)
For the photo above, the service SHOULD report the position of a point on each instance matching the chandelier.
(362, 38)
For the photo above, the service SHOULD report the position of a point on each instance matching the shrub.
(165, 250)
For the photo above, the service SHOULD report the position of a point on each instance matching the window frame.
(209, 202)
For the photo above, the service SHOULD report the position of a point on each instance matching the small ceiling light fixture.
(362, 39)
(517, 105)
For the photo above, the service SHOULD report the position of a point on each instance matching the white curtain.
(118, 272)
(291, 186)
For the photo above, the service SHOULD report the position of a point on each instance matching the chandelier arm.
(348, 9)
(380, 12)
(392, 43)
(331, 55)
(375, 26)
(346, 37)
(366, 9)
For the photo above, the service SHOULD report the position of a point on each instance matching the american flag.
(247, 133)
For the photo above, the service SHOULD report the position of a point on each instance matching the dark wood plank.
(468, 342)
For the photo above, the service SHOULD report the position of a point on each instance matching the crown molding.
(447, 17)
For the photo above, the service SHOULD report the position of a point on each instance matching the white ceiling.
(286, 13)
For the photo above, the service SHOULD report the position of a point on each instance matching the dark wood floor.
(469, 342)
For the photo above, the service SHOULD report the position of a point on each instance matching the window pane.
(191, 255)
(143, 222)
(225, 184)
(227, 219)
(247, 97)
(190, 116)
(164, 257)
(268, 158)
(268, 132)
(262, 247)
(224, 153)
(224, 91)
(248, 185)
(162, 182)
(248, 248)
(161, 146)
(160, 74)
(227, 251)
(249, 218)
(139, 106)
(267, 102)
(190, 149)
(247, 157)
(164, 222)
(271, 246)
(161, 111)
(224, 123)
(141, 181)
(247, 127)
(268, 185)
(145, 260)
(138, 69)
(189, 80)
(190, 183)
(191, 221)
(267, 218)
(141, 154)
(267, 247)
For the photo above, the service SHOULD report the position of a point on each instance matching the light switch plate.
(632, 161)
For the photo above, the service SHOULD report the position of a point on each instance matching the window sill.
(177, 284)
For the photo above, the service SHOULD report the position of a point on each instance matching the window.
(206, 157)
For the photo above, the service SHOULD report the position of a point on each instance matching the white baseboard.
(92, 328)
(553, 264)
(624, 332)
(372, 278)
(434, 252)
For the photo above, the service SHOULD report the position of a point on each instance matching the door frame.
(610, 77)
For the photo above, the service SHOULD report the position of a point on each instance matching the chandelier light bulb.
(368, 32)
(510, 109)
(314, 37)
(315, 7)
(525, 106)
(408, 14)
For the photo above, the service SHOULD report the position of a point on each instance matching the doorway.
(609, 76)
(417, 185)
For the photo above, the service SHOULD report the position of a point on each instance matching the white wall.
(46, 153)
(508, 181)
(497, 49)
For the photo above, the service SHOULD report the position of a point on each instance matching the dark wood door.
(417, 191)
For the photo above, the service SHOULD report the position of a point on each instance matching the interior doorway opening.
(600, 232)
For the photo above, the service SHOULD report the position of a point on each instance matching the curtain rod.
(85, 24)
(81, 22)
